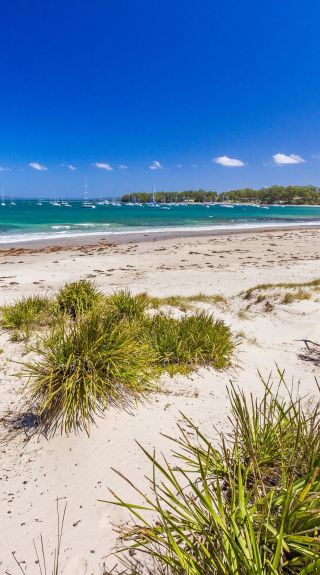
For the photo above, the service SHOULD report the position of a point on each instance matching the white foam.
(36, 236)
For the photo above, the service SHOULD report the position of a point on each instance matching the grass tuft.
(85, 368)
(185, 303)
(247, 507)
(97, 350)
(26, 314)
(286, 285)
(182, 345)
(299, 295)
(125, 305)
(77, 297)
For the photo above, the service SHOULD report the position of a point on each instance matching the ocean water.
(27, 221)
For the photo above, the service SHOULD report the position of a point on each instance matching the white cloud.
(228, 162)
(123, 167)
(38, 167)
(103, 166)
(178, 165)
(4, 169)
(155, 165)
(69, 166)
(282, 159)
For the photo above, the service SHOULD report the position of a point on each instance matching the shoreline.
(106, 239)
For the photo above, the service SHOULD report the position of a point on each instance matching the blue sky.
(210, 94)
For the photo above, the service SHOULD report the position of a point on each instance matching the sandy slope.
(78, 469)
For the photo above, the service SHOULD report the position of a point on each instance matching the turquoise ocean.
(23, 220)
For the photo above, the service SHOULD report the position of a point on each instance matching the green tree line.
(294, 195)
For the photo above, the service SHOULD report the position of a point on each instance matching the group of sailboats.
(3, 202)
(86, 203)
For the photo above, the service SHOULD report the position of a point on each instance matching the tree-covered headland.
(292, 195)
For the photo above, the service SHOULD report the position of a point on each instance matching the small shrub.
(125, 305)
(190, 342)
(86, 367)
(248, 507)
(77, 297)
(26, 314)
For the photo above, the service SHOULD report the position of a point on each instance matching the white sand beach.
(79, 470)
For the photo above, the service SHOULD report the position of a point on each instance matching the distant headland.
(288, 195)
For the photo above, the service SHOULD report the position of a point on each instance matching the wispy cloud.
(194, 166)
(5, 169)
(69, 166)
(38, 167)
(155, 165)
(178, 165)
(123, 167)
(103, 166)
(228, 162)
(282, 159)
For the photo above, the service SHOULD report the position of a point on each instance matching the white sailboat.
(86, 203)
(3, 203)
(153, 203)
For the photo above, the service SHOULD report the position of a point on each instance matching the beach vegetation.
(183, 344)
(299, 295)
(91, 351)
(185, 303)
(85, 367)
(245, 505)
(251, 292)
(124, 304)
(77, 297)
(26, 314)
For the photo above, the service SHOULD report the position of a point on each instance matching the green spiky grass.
(77, 297)
(248, 507)
(125, 305)
(97, 350)
(182, 345)
(26, 314)
(86, 367)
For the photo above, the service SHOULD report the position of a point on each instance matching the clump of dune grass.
(85, 367)
(102, 351)
(182, 345)
(184, 303)
(26, 314)
(299, 295)
(77, 297)
(313, 284)
(124, 304)
(247, 506)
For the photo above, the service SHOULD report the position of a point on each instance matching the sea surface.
(29, 221)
